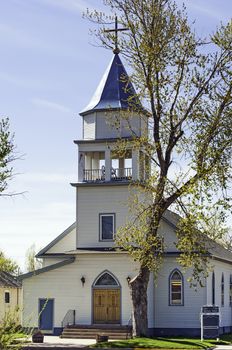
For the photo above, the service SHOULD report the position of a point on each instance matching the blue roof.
(115, 90)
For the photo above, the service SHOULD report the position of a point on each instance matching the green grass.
(160, 343)
(226, 338)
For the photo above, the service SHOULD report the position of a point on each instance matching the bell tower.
(114, 113)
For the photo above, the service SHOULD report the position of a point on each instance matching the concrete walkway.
(53, 342)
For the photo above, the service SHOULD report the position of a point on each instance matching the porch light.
(83, 281)
(128, 279)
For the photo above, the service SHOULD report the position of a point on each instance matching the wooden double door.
(106, 306)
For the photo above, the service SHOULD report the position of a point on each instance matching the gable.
(66, 241)
(168, 232)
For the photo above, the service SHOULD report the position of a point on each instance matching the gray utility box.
(210, 322)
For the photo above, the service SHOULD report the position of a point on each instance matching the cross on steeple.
(116, 30)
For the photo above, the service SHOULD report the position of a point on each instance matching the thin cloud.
(79, 6)
(205, 8)
(25, 82)
(51, 105)
(47, 177)
(16, 37)
(20, 38)
(209, 11)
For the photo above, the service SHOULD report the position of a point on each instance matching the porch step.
(90, 332)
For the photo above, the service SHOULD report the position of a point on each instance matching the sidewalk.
(53, 342)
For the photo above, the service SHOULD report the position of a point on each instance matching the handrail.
(129, 327)
(121, 174)
(117, 174)
(69, 318)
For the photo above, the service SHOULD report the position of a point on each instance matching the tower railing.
(94, 175)
(117, 174)
(121, 174)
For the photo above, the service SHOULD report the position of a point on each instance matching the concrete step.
(100, 330)
(90, 332)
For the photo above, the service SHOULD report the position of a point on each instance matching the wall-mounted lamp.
(128, 279)
(83, 281)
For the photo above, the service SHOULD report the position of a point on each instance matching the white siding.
(106, 124)
(186, 316)
(89, 126)
(51, 261)
(95, 200)
(65, 244)
(168, 233)
(113, 125)
(226, 310)
(64, 285)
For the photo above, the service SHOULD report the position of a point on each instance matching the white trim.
(100, 226)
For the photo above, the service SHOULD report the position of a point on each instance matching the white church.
(84, 282)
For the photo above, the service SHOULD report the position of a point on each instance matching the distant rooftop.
(115, 90)
(7, 280)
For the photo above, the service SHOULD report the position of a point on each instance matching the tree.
(8, 265)
(32, 263)
(6, 155)
(185, 83)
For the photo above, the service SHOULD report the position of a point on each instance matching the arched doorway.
(106, 299)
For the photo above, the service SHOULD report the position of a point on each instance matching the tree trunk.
(139, 302)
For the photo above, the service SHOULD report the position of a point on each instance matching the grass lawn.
(162, 343)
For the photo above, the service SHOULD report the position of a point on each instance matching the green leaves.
(7, 264)
(185, 82)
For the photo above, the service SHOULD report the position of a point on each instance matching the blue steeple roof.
(115, 90)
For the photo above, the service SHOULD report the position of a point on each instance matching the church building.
(84, 282)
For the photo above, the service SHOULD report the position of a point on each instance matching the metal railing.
(121, 174)
(117, 174)
(94, 175)
(69, 318)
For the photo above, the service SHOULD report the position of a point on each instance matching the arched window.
(213, 288)
(176, 288)
(230, 296)
(106, 279)
(222, 290)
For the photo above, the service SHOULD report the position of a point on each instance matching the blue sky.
(48, 72)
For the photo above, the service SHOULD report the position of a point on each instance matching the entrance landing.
(90, 331)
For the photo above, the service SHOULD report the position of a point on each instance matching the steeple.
(113, 113)
(115, 90)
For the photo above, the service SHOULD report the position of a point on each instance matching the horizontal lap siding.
(106, 126)
(95, 200)
(168, 233)
(186, 316)
(115, 125)
(15, 301)
(226, 310)
(89, 127)
(67, 243)
(64, 285)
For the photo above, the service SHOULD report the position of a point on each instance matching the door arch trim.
(107, 287)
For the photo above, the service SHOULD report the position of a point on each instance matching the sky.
(49, 69)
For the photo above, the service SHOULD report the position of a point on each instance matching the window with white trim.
(176, 288)
(107, 227)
